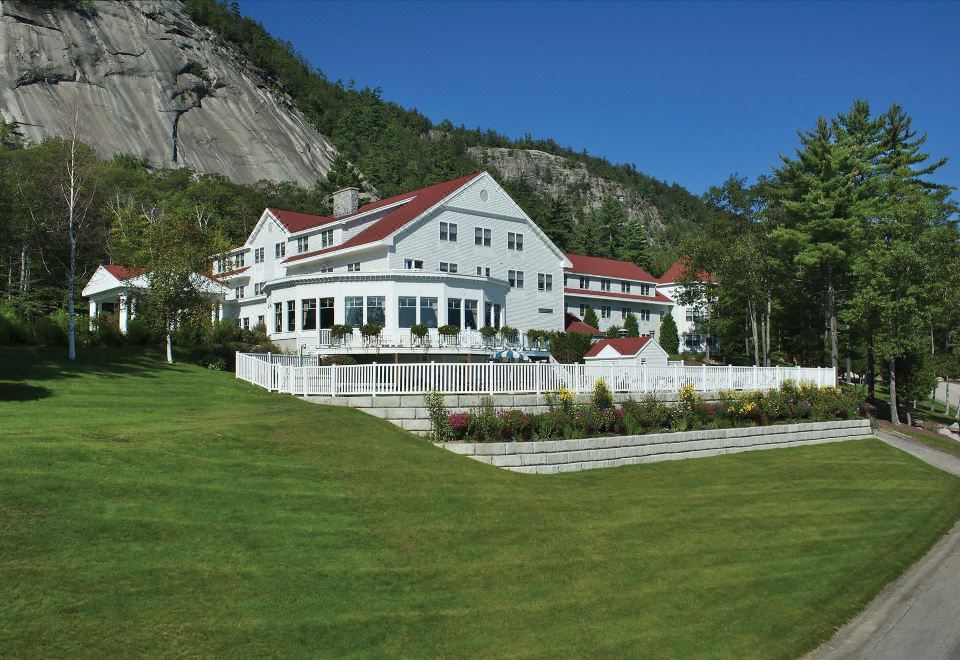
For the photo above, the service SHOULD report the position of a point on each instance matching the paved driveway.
(917, 617)
(941, 394)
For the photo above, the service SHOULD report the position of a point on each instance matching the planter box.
(552, 456)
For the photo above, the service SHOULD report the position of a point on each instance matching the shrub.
(371, 329)
(107, 331)
(648, 415)
(484, 425)
(224, 331)
(602, 396)
(562, 400)
(555, 424)
(419, 330)
(439, 424)
(449, 330)
(139, 332)
(218, 364)
(342, 360)
(514, 425)
(53, 330)
(488, 332)
(509, 334)
(341, 330)
(13, 329)
(459, 422)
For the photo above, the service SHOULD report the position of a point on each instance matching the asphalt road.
(917, 617)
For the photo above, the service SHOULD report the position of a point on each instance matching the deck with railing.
(403, 341)
(303, 375)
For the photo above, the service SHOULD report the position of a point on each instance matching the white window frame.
(353, 267)
(280, 249)
(515, 241)
(605, 311)
(303, 244)
(413, 264)
(448, 232)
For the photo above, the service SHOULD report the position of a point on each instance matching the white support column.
(93, 315)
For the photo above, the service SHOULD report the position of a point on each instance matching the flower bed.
(601, 417)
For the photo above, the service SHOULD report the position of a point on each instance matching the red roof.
(420, 201)
(123, 272)
(295, 221)
(574, 324)
(658, 297)
(677, 270)
(230, 273)
(623, 345)
(607, 268)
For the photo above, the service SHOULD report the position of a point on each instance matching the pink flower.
(459, 421)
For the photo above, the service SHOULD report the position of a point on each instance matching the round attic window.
(483, 195)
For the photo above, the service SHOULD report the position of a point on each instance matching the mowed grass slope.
(153, 510)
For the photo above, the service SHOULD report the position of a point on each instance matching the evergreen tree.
(557, 223)
(668, 336)
(590, 318)
(631, 326)
(634, 245)
(613, 332)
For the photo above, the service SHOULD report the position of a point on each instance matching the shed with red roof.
(627, 351)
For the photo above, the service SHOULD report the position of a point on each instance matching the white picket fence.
(296, 375)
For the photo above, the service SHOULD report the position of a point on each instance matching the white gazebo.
(113, 289)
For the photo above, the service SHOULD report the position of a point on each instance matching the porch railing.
(405, 339)
(291, 375)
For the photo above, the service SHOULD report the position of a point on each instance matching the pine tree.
(668, 336)
(557, 223)
(634, 245)
(631, 326)
(613, 332)
(590, 318)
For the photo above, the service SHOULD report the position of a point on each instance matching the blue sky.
(689, 92)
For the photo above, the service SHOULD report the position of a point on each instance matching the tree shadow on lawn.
(46, 364)
(23, 392)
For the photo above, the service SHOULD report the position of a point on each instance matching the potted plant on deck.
(419, 333)
(488, 333)
(339, 333)
(371, 333)
(450, 333)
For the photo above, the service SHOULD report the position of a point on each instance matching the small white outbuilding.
(627, 351)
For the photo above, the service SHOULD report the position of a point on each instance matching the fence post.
(729, 376)
(374, 381)
(776, 377)
(490, 377)
(236, 364)
(676, 378)
(755, 372)
(704, 377)
(536, 375)
(333, 379)
(644, 368)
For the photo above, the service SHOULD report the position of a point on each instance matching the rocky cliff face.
(555, 176)
(152, 83)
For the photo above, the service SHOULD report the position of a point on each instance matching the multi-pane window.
(258, 288)
(239, 291)
(470, 314)
(446, 267)
(246, 323)
(514, 241)
(644, 314)
(308, 314)
(258, 255)
(291, 315)
(353, 267)
(326, 313)
(625, 287)
(413, 264)
(238, 263)
(583, 309)
(406, 311)
(303, 244)
(326, 269)
(483, 271)
(353, 310)
(653, 334)
(584, 282)
(375, 310)
(453, 311)
(515, 277)
(280, 250)
(260, 322)
(544, 282)
(482, 236)
(605, 311)
(326, 238)
(448, 232)
(491, 315)
(604, 285)
(278, 317)
(428, 312)
(624, 311)
(644, 289)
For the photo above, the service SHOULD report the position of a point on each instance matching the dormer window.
(238, 260)
(303, 244)
(644, 289)
(625, 287)
(584, 282)
(604, 285)
(326, 238)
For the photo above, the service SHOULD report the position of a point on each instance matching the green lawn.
(149, 510)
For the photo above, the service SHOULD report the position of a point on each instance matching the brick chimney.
(345, 202)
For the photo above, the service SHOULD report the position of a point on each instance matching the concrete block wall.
(549, 457)
(408, 411)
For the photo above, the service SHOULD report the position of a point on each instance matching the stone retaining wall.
(409, 412)
(553, 456)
